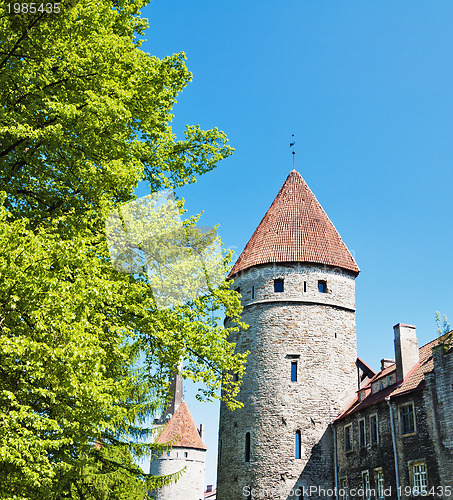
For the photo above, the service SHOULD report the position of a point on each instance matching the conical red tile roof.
(295, 229)
(182, 427)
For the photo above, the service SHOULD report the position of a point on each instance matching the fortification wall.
(190, 485)
(317, 331)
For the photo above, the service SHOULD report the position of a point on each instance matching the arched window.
(247, 447)
(297, 445)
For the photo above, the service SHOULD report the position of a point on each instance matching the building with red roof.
(395, 438)
(317, 422)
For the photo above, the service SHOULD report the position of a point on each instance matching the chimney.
(201, 432)
(385, 363)
(406, 349)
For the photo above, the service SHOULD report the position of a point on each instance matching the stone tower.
(188, 451)
(297, 281)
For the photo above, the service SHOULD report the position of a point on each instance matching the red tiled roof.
(382, 374)
(181, 427)
(414, 380)
(295, 229)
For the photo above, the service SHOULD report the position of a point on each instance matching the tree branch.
(20, 39)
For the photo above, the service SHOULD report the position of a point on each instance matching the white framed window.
(366, 485)
(374, 429)
(379, 480)
(419, 478)
(362, 433)
(348, 438)
(407, 419)
(343, 493)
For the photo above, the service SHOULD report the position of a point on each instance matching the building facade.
(396, 438)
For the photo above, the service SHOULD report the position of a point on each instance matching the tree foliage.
(444, 332)
(85, 353)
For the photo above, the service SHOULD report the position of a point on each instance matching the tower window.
(293, 371)
(305, 286)
(278, 285)
(297, 445)
(253, 292)
(186, 454)
(322, 286)
(247, 447)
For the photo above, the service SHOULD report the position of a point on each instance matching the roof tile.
(182, 427)
(415, 379)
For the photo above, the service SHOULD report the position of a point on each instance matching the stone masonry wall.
(190, 486)
(439, 404)
(318, 331)
(411, 448)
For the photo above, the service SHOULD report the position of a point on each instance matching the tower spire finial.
(177, 391)
(291, 145)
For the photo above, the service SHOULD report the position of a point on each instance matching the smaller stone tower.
(188, 451)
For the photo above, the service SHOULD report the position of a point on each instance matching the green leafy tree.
(85, 353)
(109, 474)
(444, 331)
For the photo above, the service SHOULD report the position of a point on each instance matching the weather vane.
(291, 145)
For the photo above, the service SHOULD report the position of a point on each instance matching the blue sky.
(366, 87)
